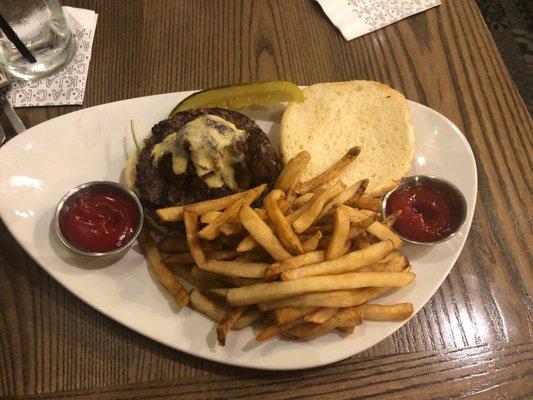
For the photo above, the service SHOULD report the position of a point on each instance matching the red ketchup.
(428, 213)
(101, 222)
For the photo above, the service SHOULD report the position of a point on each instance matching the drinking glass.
(46, 42)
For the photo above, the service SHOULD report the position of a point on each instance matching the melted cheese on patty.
(211, 143)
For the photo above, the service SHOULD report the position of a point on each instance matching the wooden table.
(473, 338)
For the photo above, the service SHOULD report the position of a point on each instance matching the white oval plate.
(39, 166)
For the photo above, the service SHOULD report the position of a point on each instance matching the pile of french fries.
(307, 262)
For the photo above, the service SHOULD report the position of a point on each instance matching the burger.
(197, 155)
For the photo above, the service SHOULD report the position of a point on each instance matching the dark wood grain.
(474, 336)
(419, 375)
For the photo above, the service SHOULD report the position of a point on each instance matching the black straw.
(13, 38)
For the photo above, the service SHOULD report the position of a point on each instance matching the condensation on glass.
(42, 27)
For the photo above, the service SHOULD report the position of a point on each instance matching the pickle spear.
(242, 95)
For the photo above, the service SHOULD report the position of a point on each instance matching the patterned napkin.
(67, 86)
(356, 18)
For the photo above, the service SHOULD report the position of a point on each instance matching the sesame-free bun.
(130, 170)
(335, 117)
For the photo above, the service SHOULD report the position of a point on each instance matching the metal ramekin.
(69, 199)
(422, 180)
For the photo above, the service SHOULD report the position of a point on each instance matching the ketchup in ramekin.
(99, 218)
(432, 209)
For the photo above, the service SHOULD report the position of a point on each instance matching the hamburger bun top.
(337, 116)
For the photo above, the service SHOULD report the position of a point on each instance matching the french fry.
(369, 203)
(223, 255)
(391, 256)
(345, 249)
(384, 189)
(247, 244)
(211, 231)
(362, 241)
(239, 281)
(353, 192)
(394, 265)
(170, 214)
(174, 214)
(161, 272)
(210, 245)
(287, 315)
(234, 227)
(357, 216)
(262, 233)
(231, 228)
(202, 274)
(341, 228)
(216, 204)
(282, 227)
(207, 306)
(336, 298)
(185, 272)
(348, 316)
(179, 258)
(381, 312)
(248, 318)
(191, 228)
(311, 243)
(214, 278)
(348, 329)
(331, 173)
(313, 257)
(323, 229)
(352, 232)
(229, 319)
(268, 333)
(355, 231)
(171, 244)
(321, 316)
(264, 292)
(216, 312)
(284, 205)
(255, 255)
(209, 216)
(291, 196)
(365, 223)
(383, 233)
(297, 211)
(391, 219)
(309, 331)
(301, 200)
(289, 176)
(348, 263)
(237, 269)
(294, 215)
(312, 211)
(220, 281)
(273, 330)
(339, 298)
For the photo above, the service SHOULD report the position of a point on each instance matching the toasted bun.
(130, 170)
(337, 116)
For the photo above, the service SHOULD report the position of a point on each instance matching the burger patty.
(158, 187)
